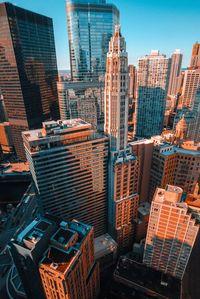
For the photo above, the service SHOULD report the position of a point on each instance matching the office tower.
(175, 71)
(143, 150)
(28, 63)
(174, 165)
(153, 79)
(116, 93)
(67, 268)
(190, 84)
(195, 58)
(123, 166)
(55, 258)
(68, 162)
(83, 100)
(90, 26)
(27, 248)
(171, 234)
(6, 140)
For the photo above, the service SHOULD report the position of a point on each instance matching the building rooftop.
(58, 259)
(53, 128)
(144, 208)
(14, 168)
(104, 245)
(171, 195)
(167, 149)
(33, 233)
(141, 141)
(138, 277)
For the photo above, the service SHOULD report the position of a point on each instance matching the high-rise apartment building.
(28, 70)
(175, 71)
(123, 166)
(195, 58)
(171, 234)
(83, 100)
(67, 268)
(55, 259)
(68, 162)
(152, 79)
(191, 83)
(174, 165)
(91, 24)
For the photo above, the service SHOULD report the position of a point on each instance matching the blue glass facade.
(91, 24)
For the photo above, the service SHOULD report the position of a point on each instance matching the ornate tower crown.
(117, 43)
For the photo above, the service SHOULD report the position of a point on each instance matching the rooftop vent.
(54, 266)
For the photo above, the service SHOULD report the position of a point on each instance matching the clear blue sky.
(146, 25)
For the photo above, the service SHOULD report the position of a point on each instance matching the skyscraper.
(175, 71)
(27, 249)
(195, 58)
(123, 166)
(55, 259)
(171, 234)
(67, 268)
(191, 83)
(28, 70)
(153, 79)
(90, 26)
(68, 162)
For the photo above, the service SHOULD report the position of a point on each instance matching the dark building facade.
(91, 24)
(28, 70)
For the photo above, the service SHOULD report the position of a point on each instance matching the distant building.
(68, 162)
(132, 89)
(123, 196)
(175, 71)
(195, 58)
(132, 81)
(152, 79)
(28, 63)
(83, 100)
(68, 268)
(174, 165)
(194, 125)
(171, 234)
(91, 24)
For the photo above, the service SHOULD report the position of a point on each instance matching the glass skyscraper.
(91, 24)
(28, 70)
